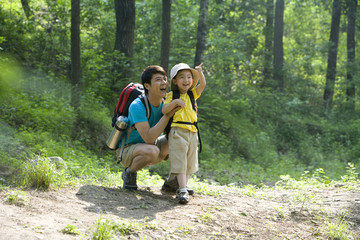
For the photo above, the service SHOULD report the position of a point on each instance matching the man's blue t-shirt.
(137, 113)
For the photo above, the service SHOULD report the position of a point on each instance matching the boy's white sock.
(183, 189)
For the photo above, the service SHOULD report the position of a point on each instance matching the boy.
(183, 134)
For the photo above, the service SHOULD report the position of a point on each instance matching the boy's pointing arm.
(200, 88)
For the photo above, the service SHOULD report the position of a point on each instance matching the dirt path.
(234, 214)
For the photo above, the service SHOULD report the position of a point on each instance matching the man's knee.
(149, 153)
(153, 153)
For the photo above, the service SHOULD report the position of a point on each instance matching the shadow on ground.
(138, 204)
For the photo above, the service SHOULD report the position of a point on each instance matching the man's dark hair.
(148, 72)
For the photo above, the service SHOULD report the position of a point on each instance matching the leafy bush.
(40, 174)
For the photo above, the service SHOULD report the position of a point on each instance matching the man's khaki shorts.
(128, 156)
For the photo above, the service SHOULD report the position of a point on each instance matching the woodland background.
(282, 81)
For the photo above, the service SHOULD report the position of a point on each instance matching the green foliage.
(145, 178)
(41, 174)
(94, 123)
(103, 229)
(125, 227)
(318, 178)
(352, 175)
(16, 197)
(106, 229)
(207, 218)
(10, 76)
(202, 187)
(338, 230)
(70, 229)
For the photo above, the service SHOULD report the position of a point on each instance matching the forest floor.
(217, 213)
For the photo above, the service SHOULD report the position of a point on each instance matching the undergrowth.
(41, 173)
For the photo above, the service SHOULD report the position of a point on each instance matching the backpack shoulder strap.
(146, 103)
(176, 94)
(192, 99)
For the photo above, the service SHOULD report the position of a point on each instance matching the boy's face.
(159, 85)
(183, 80)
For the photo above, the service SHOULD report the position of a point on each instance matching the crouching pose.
(145, 146)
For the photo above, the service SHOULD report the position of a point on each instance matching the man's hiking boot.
(129, 179)
(183, 196)
(173, 185)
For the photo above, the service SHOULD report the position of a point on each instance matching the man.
(145, 146)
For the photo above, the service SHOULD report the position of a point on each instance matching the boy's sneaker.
(129, 179)
(183, 196)
(173, 185)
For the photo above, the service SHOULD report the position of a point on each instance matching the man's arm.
(149, 135)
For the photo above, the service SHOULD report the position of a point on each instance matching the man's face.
(159, 85)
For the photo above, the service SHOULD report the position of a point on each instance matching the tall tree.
(201, 32)
(278, 62)
(165, 34)
(268, 32)
(26, 7)
(124, 40)
(332, 54)
(350, 86)
(75, 54)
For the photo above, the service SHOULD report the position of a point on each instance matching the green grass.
(107, 229)
(338, 230)
(16, 197)
(40, 174)
(206, 218)
(70, 229)
(202, 187)
(103, 229)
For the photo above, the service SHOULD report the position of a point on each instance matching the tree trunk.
(165, 34)
(124, 42)
(350, 86)
(269, 36)
(75, 54)
(125, 26)
(278, 44)
(332, 55)
(26, 7)
(201, 32)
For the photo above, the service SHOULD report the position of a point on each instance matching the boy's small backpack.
(127, 96)
(176, 95)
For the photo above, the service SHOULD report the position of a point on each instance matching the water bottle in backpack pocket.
(120, 127)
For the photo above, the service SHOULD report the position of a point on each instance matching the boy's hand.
(172, 112)
(199, 68)
(179, 103)
(202, 83)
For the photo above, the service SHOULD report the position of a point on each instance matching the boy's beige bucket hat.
(182, 66)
